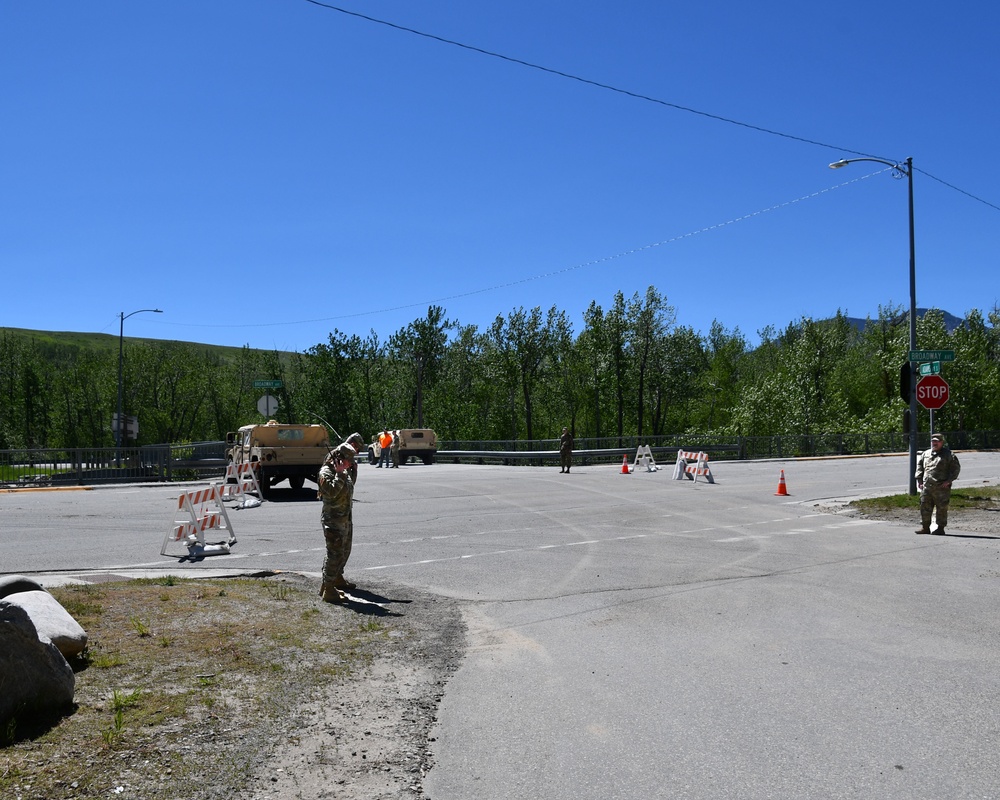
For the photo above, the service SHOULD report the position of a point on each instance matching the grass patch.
(977, 498)
(187, 711)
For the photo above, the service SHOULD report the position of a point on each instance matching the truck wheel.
(428, 459)
(371, 455)
(265, 486)
(297, 483)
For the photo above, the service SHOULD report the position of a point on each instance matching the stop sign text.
(932, 392)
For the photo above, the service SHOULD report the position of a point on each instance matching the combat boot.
(331, 594)
(923, 530)
(341, 582)
(939, 531)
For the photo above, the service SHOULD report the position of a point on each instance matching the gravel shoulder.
(370, 737)
(244, 689)
(974, 520)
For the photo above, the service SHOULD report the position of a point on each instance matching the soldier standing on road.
(340, 530)
(336, 489)
(565, 450)
(937, 468)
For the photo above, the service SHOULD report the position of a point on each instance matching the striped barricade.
(199, 511)
(684, 468)
(241, 481)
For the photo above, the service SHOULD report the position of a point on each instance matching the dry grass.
(183, 686)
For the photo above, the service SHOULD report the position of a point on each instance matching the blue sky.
(265, 171)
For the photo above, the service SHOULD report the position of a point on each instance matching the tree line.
(630, 371)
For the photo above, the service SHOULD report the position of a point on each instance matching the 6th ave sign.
(932, 392)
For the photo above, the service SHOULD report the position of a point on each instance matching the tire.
(371, 455)
(428, 459)
(297, 482)
(264, 479)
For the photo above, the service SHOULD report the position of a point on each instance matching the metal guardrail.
(580, 456)
(84, 466)
(207, 460)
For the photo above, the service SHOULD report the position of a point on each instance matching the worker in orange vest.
(385, 442)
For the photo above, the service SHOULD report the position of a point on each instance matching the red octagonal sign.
(932, 392)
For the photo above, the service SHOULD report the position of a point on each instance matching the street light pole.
(906, 169)
(121, 349)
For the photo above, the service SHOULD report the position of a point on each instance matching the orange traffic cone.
(782, 489)
(625, 466)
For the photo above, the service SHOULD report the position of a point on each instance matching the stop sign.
(932, 392)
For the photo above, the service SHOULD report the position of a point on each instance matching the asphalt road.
(638, 637)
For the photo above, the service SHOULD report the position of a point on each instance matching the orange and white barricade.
(239, 483)
(684, 468)
(644, 459)
(199, 511)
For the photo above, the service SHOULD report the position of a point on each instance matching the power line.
(626, 92)
(588, 81)
(960, 191)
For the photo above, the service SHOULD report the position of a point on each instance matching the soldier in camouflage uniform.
(937, 468)
(336, 481)
(565, 450)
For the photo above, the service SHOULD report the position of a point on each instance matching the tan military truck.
(417, 442)
(279, 451)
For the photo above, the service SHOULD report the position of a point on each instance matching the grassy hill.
(50, 341)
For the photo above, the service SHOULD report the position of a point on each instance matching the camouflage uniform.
(348, 450)
(565, 450)
(936, 469)
(336, 489)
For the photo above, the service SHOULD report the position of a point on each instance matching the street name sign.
(277, 384)
(932, 355)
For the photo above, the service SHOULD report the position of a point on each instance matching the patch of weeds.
(112, 735)
(120, 701)
(976, 497)
(105, 660)
(226, 661)
(979, 497)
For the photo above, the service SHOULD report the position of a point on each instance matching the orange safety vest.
(385, 440)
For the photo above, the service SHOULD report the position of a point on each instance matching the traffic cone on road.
(625, 466)
(782, 489)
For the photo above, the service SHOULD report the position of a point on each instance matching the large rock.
(35, 678)
(52, 621)
(11, 584)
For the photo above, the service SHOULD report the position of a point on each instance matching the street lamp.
(905, 168)
(121, 341)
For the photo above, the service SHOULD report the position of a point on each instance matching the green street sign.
(932, 355)
(931, 368)
(267, 384)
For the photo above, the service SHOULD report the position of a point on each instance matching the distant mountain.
(950, 320)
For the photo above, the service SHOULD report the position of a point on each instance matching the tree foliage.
(631, 370)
